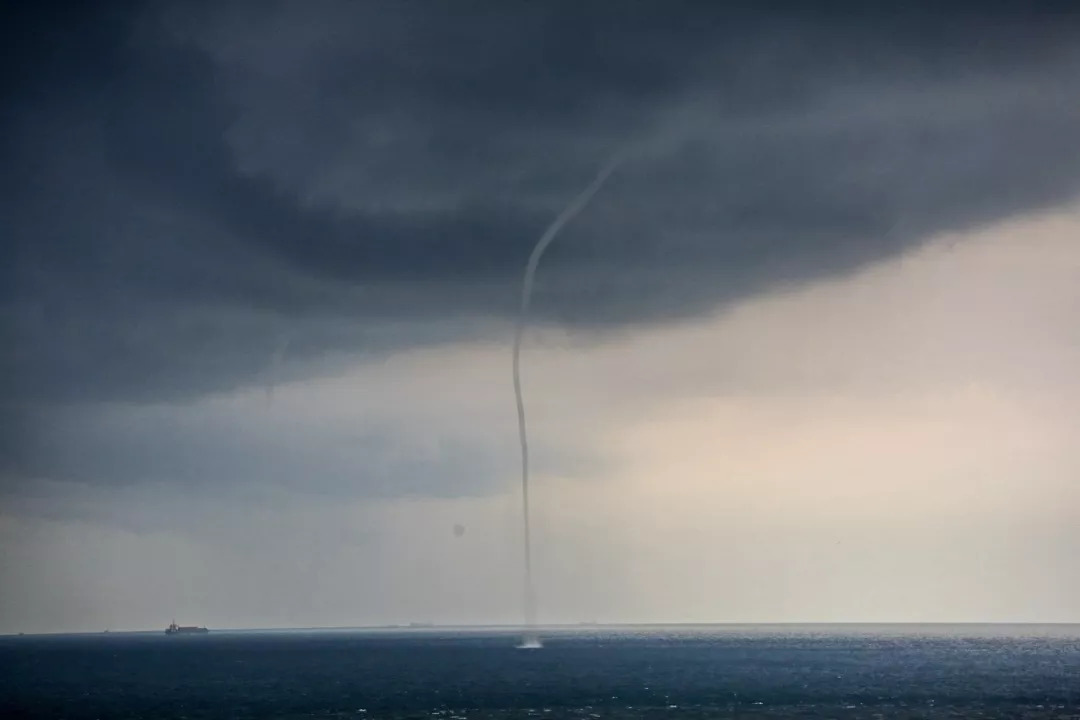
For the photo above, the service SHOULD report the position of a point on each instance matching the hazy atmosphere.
(810, 355)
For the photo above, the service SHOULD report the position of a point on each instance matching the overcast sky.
(810, 355)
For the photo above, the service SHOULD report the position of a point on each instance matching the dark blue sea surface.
(683, 672)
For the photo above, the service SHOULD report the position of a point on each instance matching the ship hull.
(175, 629)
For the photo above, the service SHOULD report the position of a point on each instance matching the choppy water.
(725, 672)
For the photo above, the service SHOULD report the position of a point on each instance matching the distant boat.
(175, 629)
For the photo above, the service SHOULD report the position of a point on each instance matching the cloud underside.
(364, 180)
(959, 355)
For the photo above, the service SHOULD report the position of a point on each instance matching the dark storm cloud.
(186, 182)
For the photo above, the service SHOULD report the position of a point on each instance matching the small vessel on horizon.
(175, 629)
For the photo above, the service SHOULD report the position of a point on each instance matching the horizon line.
(512, 627)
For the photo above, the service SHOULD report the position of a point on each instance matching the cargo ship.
(175, 629)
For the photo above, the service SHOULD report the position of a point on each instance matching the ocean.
(931, 671)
